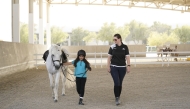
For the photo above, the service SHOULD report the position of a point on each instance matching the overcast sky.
(93, 17)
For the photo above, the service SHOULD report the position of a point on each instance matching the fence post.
(101, 59)
(95, 59)
(135, 58)
(168, 58)
(162, 58)
(36, 62)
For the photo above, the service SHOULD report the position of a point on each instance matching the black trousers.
(118, 74)
(80, 85)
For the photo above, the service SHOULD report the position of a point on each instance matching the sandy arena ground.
(146, 87)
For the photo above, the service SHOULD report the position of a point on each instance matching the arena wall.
(181, 48)
(104, 49)
(15, 57)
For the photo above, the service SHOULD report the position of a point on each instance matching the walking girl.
(118, 55)
(81, 66)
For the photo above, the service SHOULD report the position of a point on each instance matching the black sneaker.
(80, 101)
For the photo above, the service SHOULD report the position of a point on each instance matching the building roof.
(175, 5)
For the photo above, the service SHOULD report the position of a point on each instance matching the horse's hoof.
(55, 101)
(63, 94)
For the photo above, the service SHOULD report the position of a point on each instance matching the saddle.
(45, 55)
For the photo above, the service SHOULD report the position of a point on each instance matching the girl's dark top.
(118, 54)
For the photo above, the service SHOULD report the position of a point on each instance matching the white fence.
(151, 58)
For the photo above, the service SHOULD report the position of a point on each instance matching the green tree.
(183, 33)
(24, 33)
(138, 31)
(78, 34)
(57, 35)
(90, 37)
(45, 37)
(161, 28)
(36, 37)
(106, 32)
(123, 31)
(172, 38)
(160, 39)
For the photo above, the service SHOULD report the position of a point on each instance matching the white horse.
(56, 56)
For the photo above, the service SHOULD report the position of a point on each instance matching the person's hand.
(89, 68)
(128, 69)
(108, 69)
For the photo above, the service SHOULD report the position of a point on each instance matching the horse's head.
(56, 56)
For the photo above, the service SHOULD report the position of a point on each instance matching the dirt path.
(146, 87)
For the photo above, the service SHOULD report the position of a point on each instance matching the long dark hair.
(119, 37)
(87, 64)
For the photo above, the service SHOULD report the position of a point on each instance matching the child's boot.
(80, 101)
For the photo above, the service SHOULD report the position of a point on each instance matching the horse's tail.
(70, 81)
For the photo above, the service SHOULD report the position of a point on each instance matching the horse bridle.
(63, 56)
(55, 61)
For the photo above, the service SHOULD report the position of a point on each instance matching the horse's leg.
(176, 55)
(51, 84)
(57, 76)
(63, 78)
(158, 57)
(166, 57)
(162, 57)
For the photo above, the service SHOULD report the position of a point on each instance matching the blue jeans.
(118, 74)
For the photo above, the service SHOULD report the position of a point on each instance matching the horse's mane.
(65, 51)
(53, 47)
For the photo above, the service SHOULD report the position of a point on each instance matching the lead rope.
(66, 77)
(72, 74)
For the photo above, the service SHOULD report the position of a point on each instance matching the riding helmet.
(81, 52)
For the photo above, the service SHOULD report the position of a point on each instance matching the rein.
(72, 74)
(64, 56)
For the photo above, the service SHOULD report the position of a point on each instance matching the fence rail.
(150, 58)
